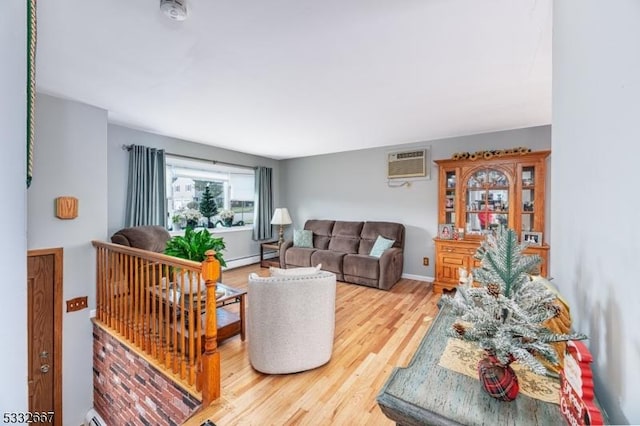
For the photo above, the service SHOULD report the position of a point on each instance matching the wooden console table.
(426, 394)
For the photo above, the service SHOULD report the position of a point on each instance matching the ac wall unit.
(93, 419)
(407, 164)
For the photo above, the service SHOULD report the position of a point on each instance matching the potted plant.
(194, 244)
(192, 216)
(227, 217)
(505, 314)
(176, 220)
(208, 206)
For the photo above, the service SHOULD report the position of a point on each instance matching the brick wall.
(127, 390)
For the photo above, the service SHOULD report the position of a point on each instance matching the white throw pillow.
(295, 272)
(380, 246)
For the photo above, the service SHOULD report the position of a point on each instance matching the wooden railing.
(165, 307)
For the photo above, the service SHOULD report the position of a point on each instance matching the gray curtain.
(263, 204)
(146, 191)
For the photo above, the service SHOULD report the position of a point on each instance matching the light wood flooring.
(376, 331)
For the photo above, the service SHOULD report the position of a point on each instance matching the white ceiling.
(291, 78)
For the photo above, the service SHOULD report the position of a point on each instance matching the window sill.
(218, 230)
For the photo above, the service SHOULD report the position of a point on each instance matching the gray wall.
(353, 186)
(71, 159)
(596, 243)
(77, 154)
(13, 262)
(239, 242)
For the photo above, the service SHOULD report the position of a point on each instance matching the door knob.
(44, 368)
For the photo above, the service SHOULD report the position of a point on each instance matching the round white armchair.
(290, 321)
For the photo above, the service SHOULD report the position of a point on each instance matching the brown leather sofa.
(343, 247)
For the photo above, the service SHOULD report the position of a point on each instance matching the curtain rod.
(224, 163)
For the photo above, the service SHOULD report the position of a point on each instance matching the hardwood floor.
(375, 331)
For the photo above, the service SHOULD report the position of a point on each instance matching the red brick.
(114, 370)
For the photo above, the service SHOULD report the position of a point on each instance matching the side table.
(269, 248)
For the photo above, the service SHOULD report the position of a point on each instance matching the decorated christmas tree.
(505, 312)
(208, 206)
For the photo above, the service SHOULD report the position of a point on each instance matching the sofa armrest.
(391, 263)
(283, 248)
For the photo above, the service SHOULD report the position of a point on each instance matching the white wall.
(71, 159)
(596, 150)
(13, 262)
(353, 186)
(239, 243)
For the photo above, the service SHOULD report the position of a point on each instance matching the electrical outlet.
(76, 304)
(425, 261)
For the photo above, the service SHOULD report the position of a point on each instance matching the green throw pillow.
(380, 246)
(302, 238)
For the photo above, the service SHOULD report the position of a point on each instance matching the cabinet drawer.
(466, 251)
(453, 259)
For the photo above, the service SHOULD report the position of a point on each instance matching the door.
(44, 289)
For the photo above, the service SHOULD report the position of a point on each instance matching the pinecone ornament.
(555, 309)
(459, 329)
(493, 289)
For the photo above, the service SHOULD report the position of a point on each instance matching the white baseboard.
(231, 264)
(418, 277)
(236, 263)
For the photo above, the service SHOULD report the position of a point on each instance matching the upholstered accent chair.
(151, 238)
(290, 321)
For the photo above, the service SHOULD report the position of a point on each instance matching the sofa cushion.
(380, 246)
(344, 244)
(347, 229)
(346, 236)
(331, 260)
(298, 256)
(302, 238)
(389, 230)
(321, 232)
(359, 265)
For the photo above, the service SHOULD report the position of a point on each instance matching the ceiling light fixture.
(174, 9)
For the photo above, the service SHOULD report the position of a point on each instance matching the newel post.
(211, 356)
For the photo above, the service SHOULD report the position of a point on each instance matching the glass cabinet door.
(450, 198)
(487, 201)
(528, 197)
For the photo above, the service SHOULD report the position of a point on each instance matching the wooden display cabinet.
(476, 196)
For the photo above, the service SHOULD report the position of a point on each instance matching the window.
(232, 189)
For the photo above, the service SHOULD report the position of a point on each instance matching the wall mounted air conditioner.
(407, 164)
(93, 419)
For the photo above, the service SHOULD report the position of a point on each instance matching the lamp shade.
(281, 217)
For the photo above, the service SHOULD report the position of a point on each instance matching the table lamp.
(281, 217)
